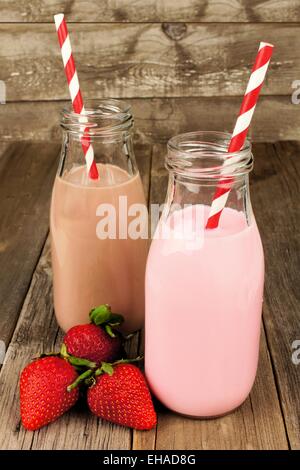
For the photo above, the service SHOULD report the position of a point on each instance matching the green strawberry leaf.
(103, 315)
(80, 379)
(109, 331)
(63, 351)
(76, 361)
(100, 315)
(79, 362)
(107, 368)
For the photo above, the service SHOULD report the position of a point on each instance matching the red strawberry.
(93, 343)
(43, 391)
(122, 397)
(96, 341)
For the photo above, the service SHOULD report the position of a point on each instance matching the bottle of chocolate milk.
(99, 239)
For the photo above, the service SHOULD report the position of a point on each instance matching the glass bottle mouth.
(102, 118)
(204, 155)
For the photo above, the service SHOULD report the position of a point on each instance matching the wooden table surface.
(269, 418)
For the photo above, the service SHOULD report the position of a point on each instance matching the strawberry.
(121, 395)
(93, 343)
(43, 391)
(96, 341)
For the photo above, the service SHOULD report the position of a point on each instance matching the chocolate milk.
(89, 271)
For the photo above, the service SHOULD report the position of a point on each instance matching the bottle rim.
(203, 154)
(102, 118)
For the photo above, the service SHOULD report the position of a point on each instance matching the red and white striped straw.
(241, 128)
(75, 93)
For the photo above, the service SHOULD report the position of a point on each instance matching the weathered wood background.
(183, 64)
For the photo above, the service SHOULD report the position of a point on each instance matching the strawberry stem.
(76, 361)
(128, 361)
(107, 368)
(109, 331)
(85, 375)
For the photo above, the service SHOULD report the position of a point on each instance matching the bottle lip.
(203, 154)
(102, 118)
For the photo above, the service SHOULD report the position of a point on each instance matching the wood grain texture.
(37, 332)
(275, 196)
(26, 174)
(152, 10)
(257, 424)
(146, 60)
(156, 120)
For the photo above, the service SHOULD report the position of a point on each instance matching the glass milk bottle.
(94, 260)
(204, 287)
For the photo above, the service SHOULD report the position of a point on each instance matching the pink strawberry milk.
(204, 288)
(94, 260)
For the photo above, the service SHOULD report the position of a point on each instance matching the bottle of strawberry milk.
(204, 288)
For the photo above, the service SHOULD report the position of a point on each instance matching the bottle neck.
(107, 125)
(199, 166)
(105, 120)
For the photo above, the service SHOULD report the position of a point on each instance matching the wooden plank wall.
(182, 64)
